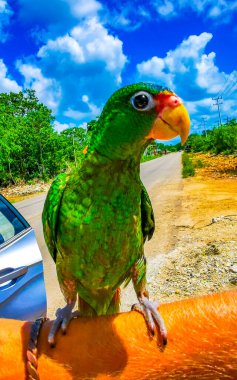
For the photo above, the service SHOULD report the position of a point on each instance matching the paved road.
(153, 173)
(161, 170)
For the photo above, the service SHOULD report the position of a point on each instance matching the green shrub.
(188, 167)
(198, 164)
(150, 157)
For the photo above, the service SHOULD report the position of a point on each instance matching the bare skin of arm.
(202, 345)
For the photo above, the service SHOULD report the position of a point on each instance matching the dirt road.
(162, 178)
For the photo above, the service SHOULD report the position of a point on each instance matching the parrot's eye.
(142, 101)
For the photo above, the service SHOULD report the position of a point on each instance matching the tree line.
(29, 146)
(222, 139)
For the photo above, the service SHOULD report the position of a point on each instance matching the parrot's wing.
(148, 228)
(147, 215)
(51, 211)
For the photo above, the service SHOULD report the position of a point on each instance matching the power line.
(222, 90)
(204, 119)
(230, 84)
(231, 89)
(218, 103)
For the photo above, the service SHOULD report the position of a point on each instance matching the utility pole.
(204, 119)
(218, 103)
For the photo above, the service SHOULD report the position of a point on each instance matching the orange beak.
(172, 119)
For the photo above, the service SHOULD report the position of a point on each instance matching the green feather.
(50, 212)
(147, 215)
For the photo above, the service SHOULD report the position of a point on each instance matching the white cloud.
(89, 42)
(65, 44)
(87, 62)
(59, 127)
(215, 12)
(198, 105)
(183, 62)
(79, 56)
(165, 9)
(189, 50)
(85, 98)
(154, 68)
(131, 15)
(222, 10)
(47, 89)
(194, 76)
(84, 8)
(208, 75)
(6, 83)
(76, 115)
(95, 111)
(218, 10)
(3, 6)
(92, 112)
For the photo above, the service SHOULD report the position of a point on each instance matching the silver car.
(22, 288)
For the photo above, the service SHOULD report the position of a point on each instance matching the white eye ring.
(142, 101)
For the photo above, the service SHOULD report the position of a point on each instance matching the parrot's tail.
(114, 307)
(86, 310)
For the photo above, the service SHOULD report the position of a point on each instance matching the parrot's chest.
(102, 234)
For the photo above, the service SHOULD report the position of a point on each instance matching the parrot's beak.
(171, 123)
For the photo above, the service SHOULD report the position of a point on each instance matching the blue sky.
(76, 53)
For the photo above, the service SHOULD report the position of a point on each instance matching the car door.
(22, 288)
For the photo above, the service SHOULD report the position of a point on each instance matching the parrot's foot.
(63, 318)
(149, 310)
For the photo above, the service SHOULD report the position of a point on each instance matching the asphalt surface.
(153, 174)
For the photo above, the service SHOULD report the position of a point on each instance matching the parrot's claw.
(152, 316)
(63, 318)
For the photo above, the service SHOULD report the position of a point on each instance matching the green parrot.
(96, 218)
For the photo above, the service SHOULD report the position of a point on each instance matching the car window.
(10, 225)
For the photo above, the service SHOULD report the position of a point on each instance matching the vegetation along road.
(162, 178)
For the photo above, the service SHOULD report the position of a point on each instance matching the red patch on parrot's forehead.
(166, 99)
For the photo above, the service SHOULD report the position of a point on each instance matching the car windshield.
(10, 225)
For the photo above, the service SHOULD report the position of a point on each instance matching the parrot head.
(136, 115)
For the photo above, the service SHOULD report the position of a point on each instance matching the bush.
(188, 167)
(150, 157)
(198, 164)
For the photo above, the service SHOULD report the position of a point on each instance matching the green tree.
(225, 138)
(27, 138)
(74, 140)
(222, 139)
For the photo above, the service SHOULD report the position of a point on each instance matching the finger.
(65, 323)
(67, 319)
(55, 327)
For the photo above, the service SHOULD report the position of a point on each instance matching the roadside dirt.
(22, 191)
(194, 249)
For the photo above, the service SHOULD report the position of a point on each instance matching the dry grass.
(215, 166)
